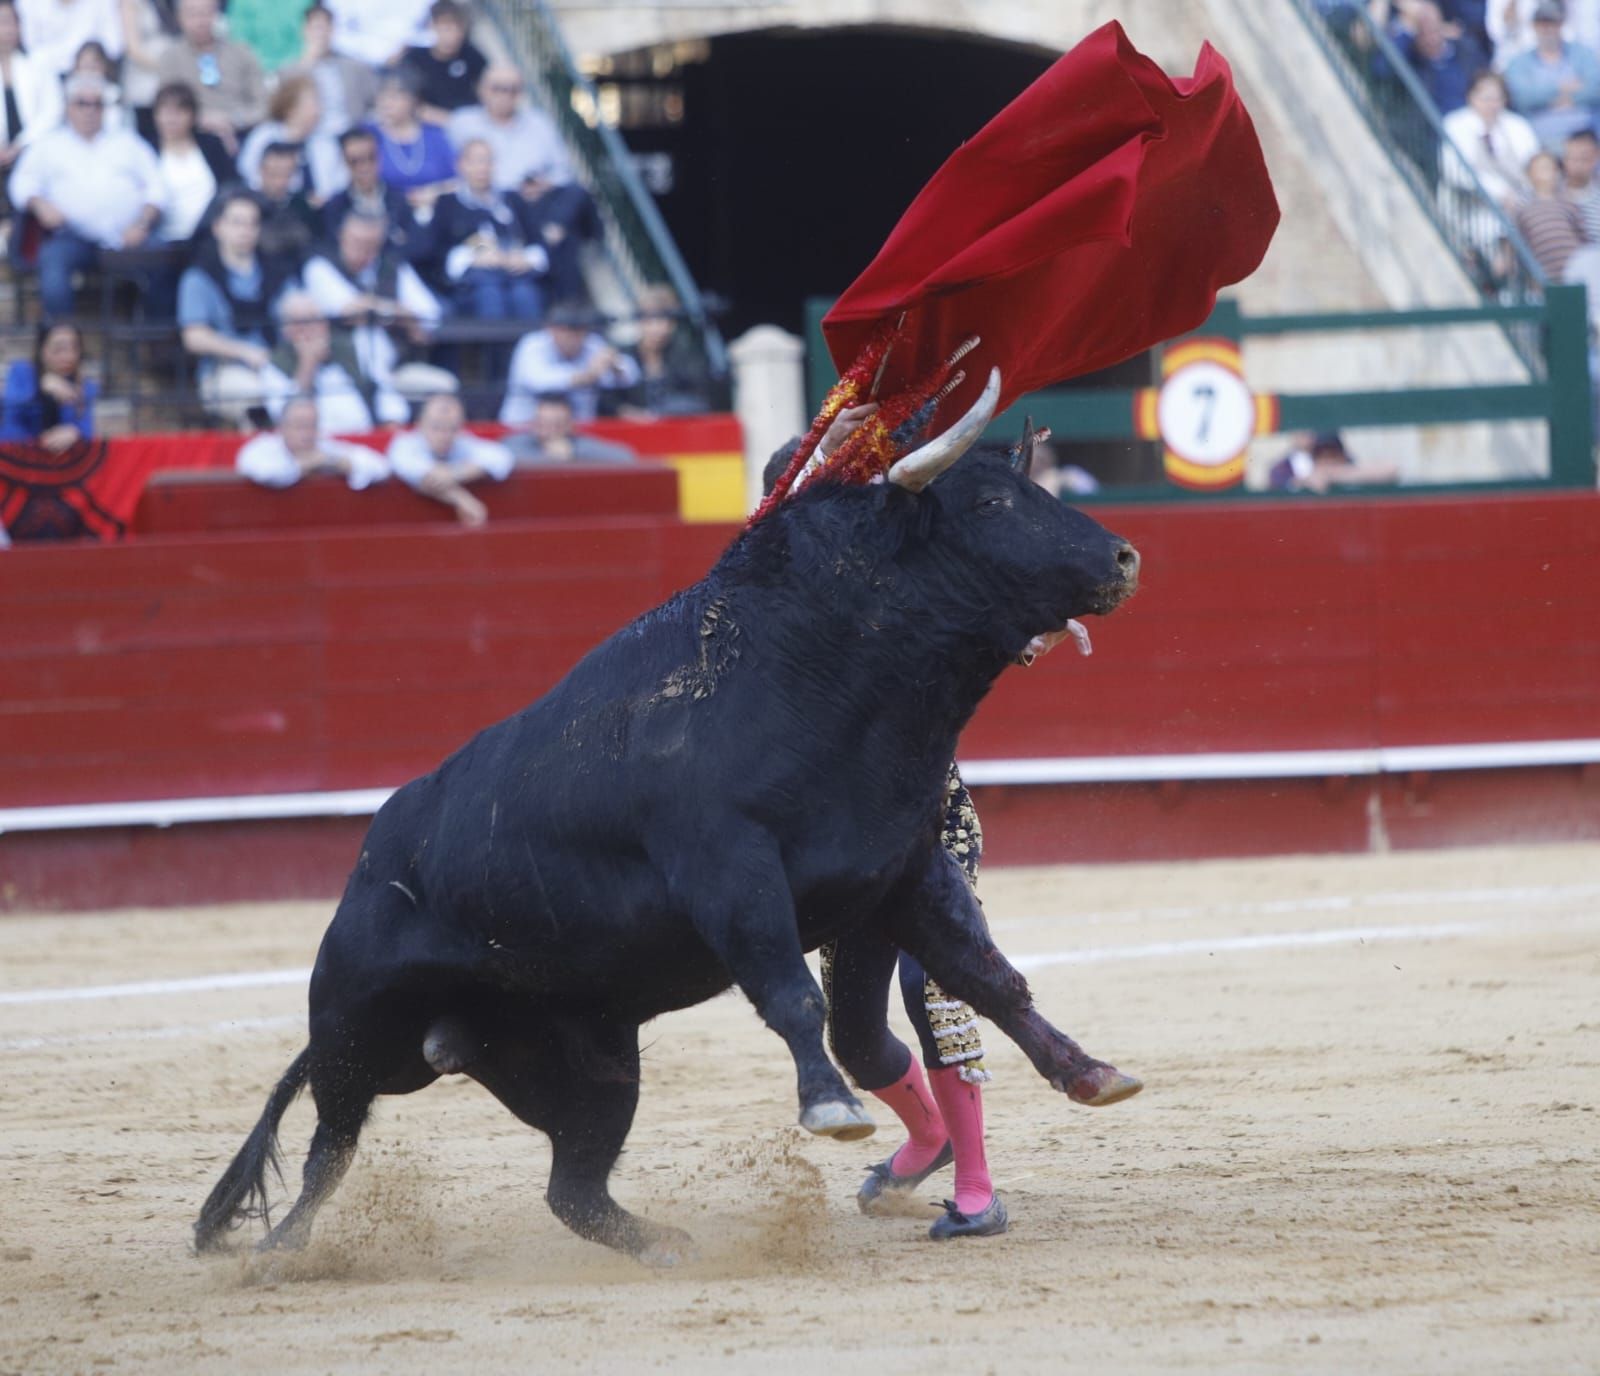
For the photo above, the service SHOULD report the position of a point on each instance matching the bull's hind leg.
(582, 1091)
(938, 920)
(343, 1092)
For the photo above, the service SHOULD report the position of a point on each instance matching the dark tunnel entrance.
(782, 158)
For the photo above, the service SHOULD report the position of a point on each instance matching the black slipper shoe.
(882, 1180)
(991, 1221)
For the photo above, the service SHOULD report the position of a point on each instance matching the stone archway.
(783, 157)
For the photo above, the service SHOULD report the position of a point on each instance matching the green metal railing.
(637, 239)
(1386, 90)
(1558, 392)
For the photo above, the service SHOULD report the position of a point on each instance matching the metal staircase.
(1383, 86)
(638, 248)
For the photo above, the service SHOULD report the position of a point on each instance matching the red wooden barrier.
(310, 660)
(179, 502)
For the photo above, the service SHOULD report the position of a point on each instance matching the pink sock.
(962, 1107)
(908, 1098)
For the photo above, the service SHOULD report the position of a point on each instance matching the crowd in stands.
(1517, 83)
(309, 194)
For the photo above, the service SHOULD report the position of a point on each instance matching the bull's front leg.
(743, 910)
(938, 920)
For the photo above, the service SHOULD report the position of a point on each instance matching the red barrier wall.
(353, 658)
(299, 660)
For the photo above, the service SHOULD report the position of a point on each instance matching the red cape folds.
(1093, 217)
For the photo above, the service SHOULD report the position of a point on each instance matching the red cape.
(1093, 217)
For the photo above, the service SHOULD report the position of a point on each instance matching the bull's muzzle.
(1115, 591)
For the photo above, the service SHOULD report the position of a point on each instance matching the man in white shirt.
(569, 357)
(296, 449)
(373, 295)
(529, 155)
(439, 458)
(309, 362)
(378, 32)
(89, 188)
(54, 30)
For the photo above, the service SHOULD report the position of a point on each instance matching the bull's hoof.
(281, 1239)
(838, 1119)
(1101, 1085)
(671, 1247)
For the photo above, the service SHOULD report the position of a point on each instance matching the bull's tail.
(242, 1192)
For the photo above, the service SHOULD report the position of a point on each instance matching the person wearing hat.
(1508, 26)
(1555, 83)
(1319, 462)
(568, 355)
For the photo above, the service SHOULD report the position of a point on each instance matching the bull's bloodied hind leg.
(749, 922)
(582, 1091)
(938, 920)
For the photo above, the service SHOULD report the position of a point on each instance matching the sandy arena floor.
(1368, 1143)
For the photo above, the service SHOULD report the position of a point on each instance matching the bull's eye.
(992, 505)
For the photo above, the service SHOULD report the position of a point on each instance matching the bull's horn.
(922, 466)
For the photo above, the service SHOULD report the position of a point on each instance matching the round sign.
(1206, 414)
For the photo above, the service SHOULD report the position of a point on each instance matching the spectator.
(1445, 65)
(48, 400)
(553, 437)
(1555, 84)
(300, 448)
(379, 304)
(225, 305)
(311, 361)
(378, 32)
(487, 244)
(440, 459)
(54, 30)
(1510, 26)
(269, 28)
(412, 156)
(345, 86)
(147, 32)
(1581, 160)
(566, 356)
(448, 73)
(673, 377)
(193, 163)
(294, 117)
(30, 100)
(1320, 462)
(1551, 224)
(290, 228)
(92, 58)
(89, 188)
(1490, 142)
(224, 75)
(528, 153)
(369, 194)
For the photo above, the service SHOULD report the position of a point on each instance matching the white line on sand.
(1521, 897)
(1534, 896)
(226, 1027)
(200, 984)
(1262, 941)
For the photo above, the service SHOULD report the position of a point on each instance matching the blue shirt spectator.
(1555, 84)
(1445, 65)
(47, 401)
(412, 155)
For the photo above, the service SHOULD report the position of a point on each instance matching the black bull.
(747, 771)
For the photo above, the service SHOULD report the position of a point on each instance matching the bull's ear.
(1022, 450)
(922, 466)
